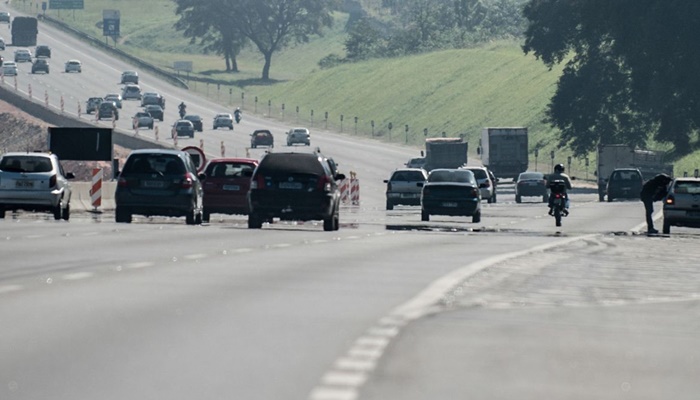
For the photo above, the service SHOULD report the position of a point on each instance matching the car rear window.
(408, 176)
(27, 164)
(166, 164)
(626, 176)
(229, 169)
(687, 187)
(463, 176)
(532, 176)
(304, 163)
(479, 173)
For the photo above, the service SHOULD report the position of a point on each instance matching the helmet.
(238, 109)
(559, 168)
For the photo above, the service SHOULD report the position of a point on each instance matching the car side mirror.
(573, 178)
(420, 184)
(202, 176)
(339, 177)
(70, 175)
(386, 181)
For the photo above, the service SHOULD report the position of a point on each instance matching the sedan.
(196, 121)
(34, 182)
(74, 66)
(23, 55)
(682, 204)
(131, 92)
(451, 192)
(226, 184)
(262, 137)
(155, 110)
(531, 184)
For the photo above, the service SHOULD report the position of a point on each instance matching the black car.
(156, 111)
(451, 192)
(262, 137)
(159, 182)
(93, 104)
(130, 77)
(294, 186)
(196, 120)
(624, 183)
(107, 110)
(42, 51)
(152, 98)
(40, 65)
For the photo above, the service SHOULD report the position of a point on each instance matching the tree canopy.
(631, 69)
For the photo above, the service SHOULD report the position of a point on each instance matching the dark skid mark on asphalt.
(475, 230)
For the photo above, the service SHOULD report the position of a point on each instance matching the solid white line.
(325, 393)
(136, 265)
(10, 288)
(387, 332)
(281, 245)
(336, 378)
(77, 276)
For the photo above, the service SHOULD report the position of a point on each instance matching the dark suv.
(40, 65)
(42, 51)
(107, 110)
(159, 182)
(624, 183)
(294, 186)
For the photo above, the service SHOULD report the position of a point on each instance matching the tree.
(631, 68)
(273, 24)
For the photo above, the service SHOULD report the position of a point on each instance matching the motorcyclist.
(182, 107)
(237, 114)
(559, 175)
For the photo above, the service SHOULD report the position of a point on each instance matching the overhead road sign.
(66, 4)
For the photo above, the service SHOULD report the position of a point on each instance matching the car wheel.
(518, 199)
(545, 198)
(476, 218)
(230, 128)
(150, 126)
(328, 224)
(336, 222)
(190, 218)
(58, 210)
(122, 216)
(198, 218)
(254, 221)
(206, 215)
(667, 228)
(610, 199)
(66, 213)
(601, 197)
(424, 216)
(490, 199)
(389, 205)
(494, 198)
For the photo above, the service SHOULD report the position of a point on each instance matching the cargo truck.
(445, 153)
(504, 151)
(24, 31)
(614, 156)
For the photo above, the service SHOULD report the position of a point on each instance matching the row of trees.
(226, 26)
(631, 69)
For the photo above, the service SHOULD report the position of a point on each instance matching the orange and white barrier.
(344, 190)
(156, 132)
(355, 191)
(350, 190)
(96, 188)
(46, 98)
(223, 149)
(79, 109)
(29, 90)
(63, 105)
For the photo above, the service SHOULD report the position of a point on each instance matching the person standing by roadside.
(655, 189)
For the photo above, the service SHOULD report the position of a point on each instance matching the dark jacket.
(655, 189)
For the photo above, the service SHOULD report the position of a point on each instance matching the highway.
(388, 307)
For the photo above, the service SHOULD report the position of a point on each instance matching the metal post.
(372, 123)
(355, 125)
(551, 155)
(242, 100)
(406, 133)
(256, 104)
(312, 117)
(391, 126)
(297, 114)
(326, 119)
(269, 108)
(341, 123)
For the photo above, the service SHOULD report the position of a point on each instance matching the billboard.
(66, 5)
(81, 144)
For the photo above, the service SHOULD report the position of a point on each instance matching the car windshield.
(27, 164)
(687, 187)
(461, 176)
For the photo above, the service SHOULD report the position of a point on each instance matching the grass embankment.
(455, 91)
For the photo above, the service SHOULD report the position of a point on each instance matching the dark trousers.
(649, 211)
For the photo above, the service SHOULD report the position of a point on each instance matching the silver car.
(403, 187)
(682, 204)
(486, 181)
(34, 182)
(74, 66)
(298, 135)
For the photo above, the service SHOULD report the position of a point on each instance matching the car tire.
(495, 199)
(122, 216)
(190, 218)
(601, 197)
(58, 210)
(66, 213)
(336, 222)
(206, 215)
(610, 199)
(2, 213)
(545, 198)
(424, 216)
(328, 223)
(667, 228)
(254, 221)
(518, 199)
(253, 146)
(490, 200)
(476, 218)
(389, 205)
(198, 218)
(230, 128)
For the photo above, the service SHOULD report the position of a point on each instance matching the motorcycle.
(558, 200)
(182, 112)
(238, 117)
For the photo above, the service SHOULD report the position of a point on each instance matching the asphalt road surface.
(388, 307)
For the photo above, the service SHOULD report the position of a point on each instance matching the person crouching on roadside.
(655, 189)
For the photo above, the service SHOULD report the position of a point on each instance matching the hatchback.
(152, 98)
(196, 120)
(183, 127)
(298, 136)
(9, 68)
(226, 185)
(34, 182)
(40, 65)
(223, 121)
(107, 110)
(531, 184)
(5, 17)
(93, 104)
(42, 51)
(682, 204)
(624, 183)
(294, 186)
(74, 66)
(155, 110)
(451, 192)
(130, 77)
(402, 187)
(143, 118)
(131, 92)
(159, 182)
(114, 97)
(23, 55)
(262, 137)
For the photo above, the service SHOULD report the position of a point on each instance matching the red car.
(226, 185)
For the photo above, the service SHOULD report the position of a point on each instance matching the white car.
(23, 55)
(223, 120)
(298, 135)
(74, 66)
(9, 68)
(486, 181)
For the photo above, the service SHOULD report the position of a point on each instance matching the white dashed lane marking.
(322, 393)
(335, 378)
(195, 256)
(137, 265)
(10, 288)
(78, 276)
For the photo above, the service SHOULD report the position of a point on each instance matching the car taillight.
(475, 192)
(670, 200)
(188, 182)
(258, 182)
(52, 181)
(122, 182)
(324, 183)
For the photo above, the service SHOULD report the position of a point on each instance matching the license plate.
(449, 204)
(232, 187)
(24, 184)
(557, 202)
(408, 195)
(290, 185)
(153, 184)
